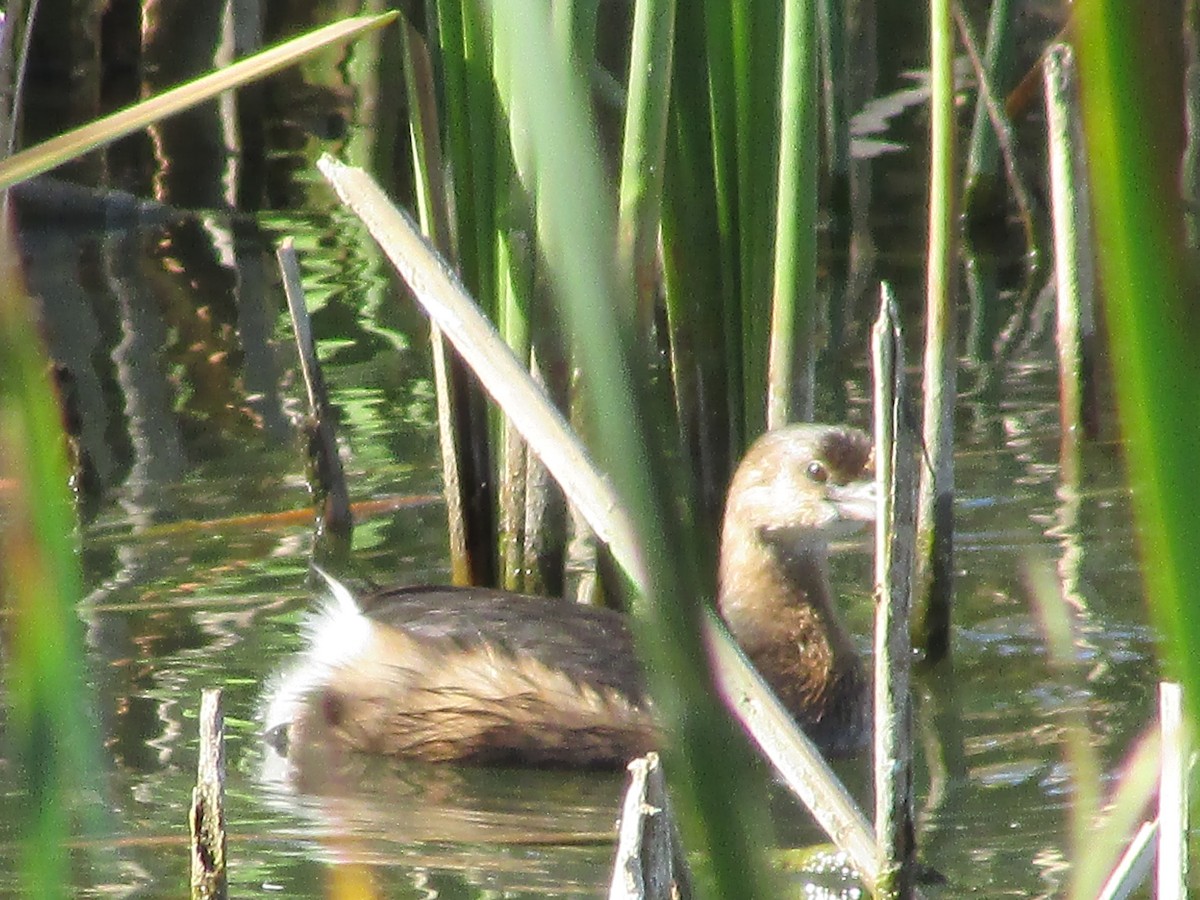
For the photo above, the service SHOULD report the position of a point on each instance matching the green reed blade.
(795, 269)
(1130, 60)
(47, 728)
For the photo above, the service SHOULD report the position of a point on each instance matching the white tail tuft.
(337, 634)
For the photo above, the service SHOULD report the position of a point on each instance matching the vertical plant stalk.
(12, 89)
(699, 278)
(795, 277)
(895, 531)
(513, 462)
(714, 29)
(639, 203)
(8, 77)
(1172, 877)
(514, 272)
(464, 57)
(1073, 256)
(1002, 135)
(448, 378)
(1191, 98)
(755, 55)
(835, 88)
(206, 820)
(936, 506)
(574, 23)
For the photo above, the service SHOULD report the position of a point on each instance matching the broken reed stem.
(328, 480)
(206, 819)
(895, 534)
(649, 864)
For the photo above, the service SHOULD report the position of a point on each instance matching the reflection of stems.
(1067, 531)
(945, 754)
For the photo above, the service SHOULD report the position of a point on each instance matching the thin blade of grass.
(57, 150)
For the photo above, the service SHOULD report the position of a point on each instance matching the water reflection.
(508, 830)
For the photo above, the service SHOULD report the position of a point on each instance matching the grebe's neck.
(774, 587)
(779, 607)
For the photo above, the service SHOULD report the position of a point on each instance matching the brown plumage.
(487, 676)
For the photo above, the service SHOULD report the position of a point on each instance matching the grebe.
(488, 676)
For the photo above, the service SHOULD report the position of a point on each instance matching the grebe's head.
(802, 485)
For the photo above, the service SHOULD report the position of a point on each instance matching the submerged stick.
(895, 533)
(206, 819)
(650, 864)
(328, 479)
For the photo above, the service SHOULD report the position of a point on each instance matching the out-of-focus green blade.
(47, 728)
(1130, 62)
(56, 151)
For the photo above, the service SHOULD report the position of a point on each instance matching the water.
(195, 560)
(196, 577)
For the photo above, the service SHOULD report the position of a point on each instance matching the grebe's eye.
(817, 472)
